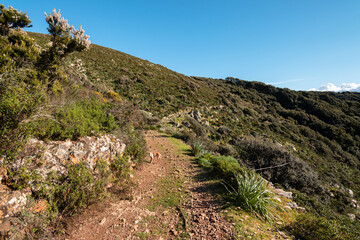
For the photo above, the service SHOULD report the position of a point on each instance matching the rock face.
(55, 156)
(196, 115)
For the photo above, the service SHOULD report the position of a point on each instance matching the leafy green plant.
(78, 189)
(135, 145)
(308, 226)
(120, 167)
(225, 167)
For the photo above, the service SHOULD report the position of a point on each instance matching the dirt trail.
(171, 200)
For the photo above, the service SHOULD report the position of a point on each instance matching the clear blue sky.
(299, 44)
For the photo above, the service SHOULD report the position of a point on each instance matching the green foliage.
(278, 165)
(120, 167)
(196, 149)
(247, 189)
(79, 119)
(225, 167)
(17, 50)
(11, 18)
(135, 146)
(79, 188)
(251, 194)
(222, 167)
(308, 227)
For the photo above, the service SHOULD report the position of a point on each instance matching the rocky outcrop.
(196, 115)
(55, 156)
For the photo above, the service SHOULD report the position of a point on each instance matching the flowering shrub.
(65, 38)
(11, 18)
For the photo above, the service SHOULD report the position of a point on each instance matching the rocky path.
(171, 199)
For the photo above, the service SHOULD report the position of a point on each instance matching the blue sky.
(288, 43)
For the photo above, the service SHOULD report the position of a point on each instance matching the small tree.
(11, 18)
(65, 38)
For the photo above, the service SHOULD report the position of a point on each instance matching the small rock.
(102, 222)
(351, 216)
(353, 203)
(292, 204)
(283, 193)
(174, 232)
(350, 192)
(301, 209)
(283, 234)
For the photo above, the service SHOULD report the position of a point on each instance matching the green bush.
(279, 165)
(309, 227)
(135, 145)
(82, 118)
(120, 167)
(225, 167)
(78, 188)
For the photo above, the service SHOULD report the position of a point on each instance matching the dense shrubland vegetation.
(44, 93)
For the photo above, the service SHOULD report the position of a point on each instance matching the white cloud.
(344, 87)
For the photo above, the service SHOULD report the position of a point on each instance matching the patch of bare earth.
(170, 200)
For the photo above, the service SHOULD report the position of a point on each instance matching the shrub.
(11, 18)
(120, 167)
(251, 194)
(225, 167)
(65, 38)
(82, 118)
(278, 165)
(78, 188)
(308, 227)
(135, 145)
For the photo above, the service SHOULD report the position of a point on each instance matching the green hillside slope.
(313, 136)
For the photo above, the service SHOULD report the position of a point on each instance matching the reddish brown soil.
(197, 217)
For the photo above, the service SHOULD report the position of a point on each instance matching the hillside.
(316, 134)
(305, 142)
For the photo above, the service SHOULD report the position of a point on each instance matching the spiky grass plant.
(196, 148)
(251, 194)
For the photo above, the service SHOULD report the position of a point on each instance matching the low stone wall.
(53, 157)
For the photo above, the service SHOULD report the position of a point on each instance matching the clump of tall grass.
(197, 149)
(251, 194)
